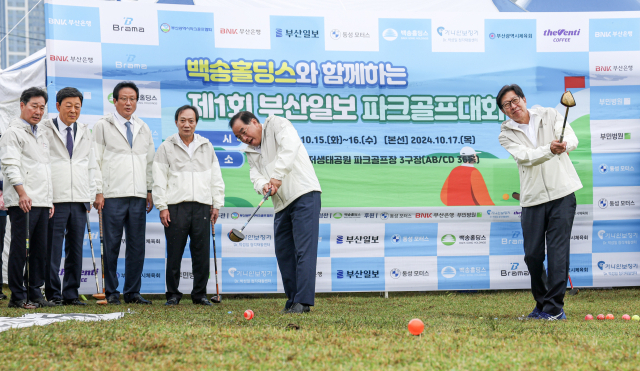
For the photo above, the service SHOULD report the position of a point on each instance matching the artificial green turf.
(344, 331)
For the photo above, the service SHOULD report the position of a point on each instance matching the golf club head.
(216, 299)
(567, 99)
(102, 302)
(29, 305)
(574, 291)
(235, 235)
(99, 296)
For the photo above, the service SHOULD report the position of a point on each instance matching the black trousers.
(128, 213)
(68, 223)
(3, 230)
(296, 230)
(38, 228)
(193, 220)
(550, 222)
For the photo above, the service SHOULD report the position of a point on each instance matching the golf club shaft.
(93, 255)
(27, 246)
(256, 210)
(101, 249)
(564, 124)
(215, 257)
(570, 283)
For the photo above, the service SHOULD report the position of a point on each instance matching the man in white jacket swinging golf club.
(279, 163)
(189, 192)
(548, 181)
(73, 166)
(124, 152)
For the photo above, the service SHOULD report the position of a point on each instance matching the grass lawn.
(344, 331)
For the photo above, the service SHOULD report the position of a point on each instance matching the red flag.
(573, 82)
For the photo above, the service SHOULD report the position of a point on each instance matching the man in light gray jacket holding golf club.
(548, 181)
(189, 192)
(280, 164)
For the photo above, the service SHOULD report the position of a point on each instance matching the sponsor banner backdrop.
(391, 111)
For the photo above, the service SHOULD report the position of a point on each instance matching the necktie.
(129, 133)
(69, 141)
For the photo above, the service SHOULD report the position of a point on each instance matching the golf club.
(573, 291)
(236, 235)
(215, 299)
(97, 295)
(103, 301)
(567, 101)
(28, 304)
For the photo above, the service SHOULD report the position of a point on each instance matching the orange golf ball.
(609, 316)
(248, 314)
(416, 327)
(505, 196)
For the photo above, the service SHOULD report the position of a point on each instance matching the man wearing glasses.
(548, 181)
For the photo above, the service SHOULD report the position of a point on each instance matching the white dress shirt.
(120, 124)
(530, 128)
(189, 148)
(62, 128)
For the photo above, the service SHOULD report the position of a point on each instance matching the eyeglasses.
(513, 102)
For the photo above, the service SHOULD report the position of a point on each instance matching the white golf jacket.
(25, 159)
(123, 171)
(282, 156)
(544, 176)
(73, 178)
(179, 178)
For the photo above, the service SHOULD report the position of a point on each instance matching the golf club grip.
(564, 124)
(256, 210)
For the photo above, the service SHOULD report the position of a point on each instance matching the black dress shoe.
(202, 301)
(16, 303)
(285, 310)
(137, 299)
(114, 299)
(172, 301)
(73, 302)
(42, 303)
(57, 302)
(2, 296)
(298, 308)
